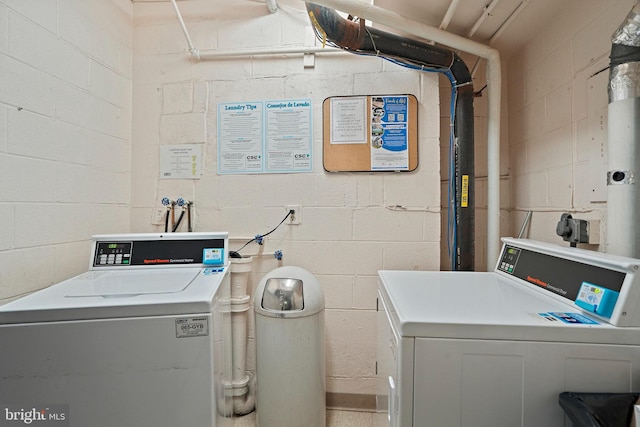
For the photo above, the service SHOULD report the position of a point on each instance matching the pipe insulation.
(623, 189)
(355, 37)
(494, 92)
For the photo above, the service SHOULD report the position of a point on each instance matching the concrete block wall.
(348, 232)
(65, 125)
(557, 97)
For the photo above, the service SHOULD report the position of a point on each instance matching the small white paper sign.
(182, 161)
(349, 120)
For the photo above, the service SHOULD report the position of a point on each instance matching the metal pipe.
(494, 93)
(623, 188)
(199, 55)
(453, 6)
(525, 223)
(192, 50)
(500, 29)
(509, 20)
(209, 55)
(486, 12)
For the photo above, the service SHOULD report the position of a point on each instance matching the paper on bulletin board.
(389, 133)
(390, 129)
(182, 161)
(349, 120)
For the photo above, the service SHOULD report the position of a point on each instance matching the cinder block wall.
(347, 232)
(557, 97)
(65, 125)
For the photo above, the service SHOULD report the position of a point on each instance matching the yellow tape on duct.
(464, 197)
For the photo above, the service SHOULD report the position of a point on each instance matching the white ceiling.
(492, 19)
(529, 19)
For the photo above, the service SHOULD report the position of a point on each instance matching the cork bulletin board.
(371, 133)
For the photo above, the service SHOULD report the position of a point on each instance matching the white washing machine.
(141, 339)
(495, 349)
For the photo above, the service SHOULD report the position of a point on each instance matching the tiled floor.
(334, 419)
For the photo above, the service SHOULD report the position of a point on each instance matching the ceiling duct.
(623, 186)
(357, 38)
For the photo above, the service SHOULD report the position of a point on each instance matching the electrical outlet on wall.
(296, 217)
(158, 215)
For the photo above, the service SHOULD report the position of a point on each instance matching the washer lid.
(120, 294)
(129, 283)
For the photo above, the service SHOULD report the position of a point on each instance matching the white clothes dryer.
(495, 349)
(141, 339)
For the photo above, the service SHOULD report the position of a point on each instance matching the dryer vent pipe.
(356, 38)
(623, 188)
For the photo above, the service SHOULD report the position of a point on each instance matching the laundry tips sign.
(265, 137)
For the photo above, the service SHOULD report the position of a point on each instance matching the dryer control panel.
(158, 250)
(598, 283)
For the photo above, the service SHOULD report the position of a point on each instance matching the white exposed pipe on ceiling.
(486, 12)
(509, 20)
(192, 50)
(494, 91)
(453, 6)
(218, 54)
(500, 29)
(199, 55)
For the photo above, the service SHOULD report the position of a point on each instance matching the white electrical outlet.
(159, 215)
(296, 217)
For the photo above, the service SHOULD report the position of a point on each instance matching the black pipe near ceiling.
(355, 37)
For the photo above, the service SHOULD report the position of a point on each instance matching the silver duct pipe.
(623, 188)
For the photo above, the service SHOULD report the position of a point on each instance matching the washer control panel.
(113, 253)
(159, 250)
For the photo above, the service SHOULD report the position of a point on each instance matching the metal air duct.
(355, 37)
(623, 188)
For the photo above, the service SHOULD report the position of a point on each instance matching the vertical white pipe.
(243, 399)
(494, 93)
